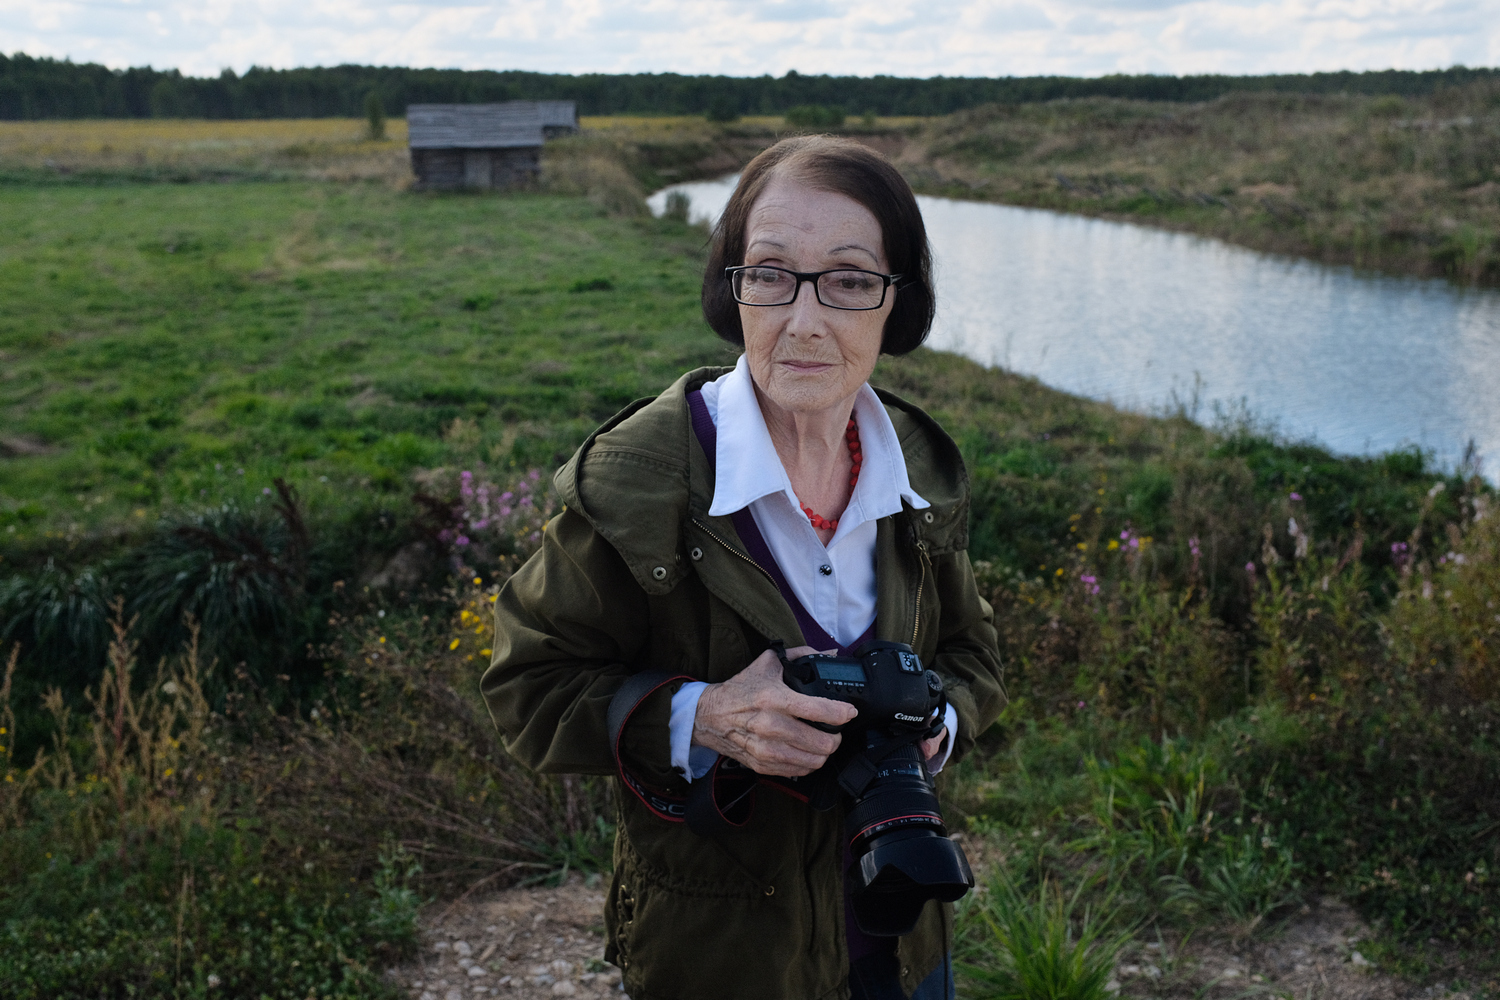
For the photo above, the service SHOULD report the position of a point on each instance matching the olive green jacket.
(635, 575)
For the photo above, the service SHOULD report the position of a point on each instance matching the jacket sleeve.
(570, 628)
(968, 653)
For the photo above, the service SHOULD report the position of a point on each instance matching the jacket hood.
(642, 475)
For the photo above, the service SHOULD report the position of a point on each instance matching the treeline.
(33, 88)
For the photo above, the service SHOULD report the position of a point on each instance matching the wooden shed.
(483, 145)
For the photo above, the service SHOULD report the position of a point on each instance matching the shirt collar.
(748, 468)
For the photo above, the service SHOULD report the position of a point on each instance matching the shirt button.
(927, 517)
(825, 569)
(696, 554)
(659, 573)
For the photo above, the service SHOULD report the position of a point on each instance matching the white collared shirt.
(835, 583)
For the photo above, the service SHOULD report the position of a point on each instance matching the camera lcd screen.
(850, 673)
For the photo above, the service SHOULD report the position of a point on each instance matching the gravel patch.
(525, 944)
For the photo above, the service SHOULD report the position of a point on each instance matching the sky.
(858, 37)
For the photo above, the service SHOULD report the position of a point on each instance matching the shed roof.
(556, 113)
(475, 126)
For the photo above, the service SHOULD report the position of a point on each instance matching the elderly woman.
(782, 499)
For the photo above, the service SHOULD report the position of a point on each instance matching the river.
(1151, 320)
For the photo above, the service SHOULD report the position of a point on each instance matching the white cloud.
(898, 37)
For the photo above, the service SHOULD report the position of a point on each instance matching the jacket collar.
(748, 468)
(641, 479)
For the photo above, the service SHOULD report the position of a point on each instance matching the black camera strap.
(636, 689)
(722, 799)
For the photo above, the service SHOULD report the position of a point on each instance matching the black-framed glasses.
(841, 288)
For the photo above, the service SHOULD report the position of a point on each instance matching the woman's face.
(807, 357)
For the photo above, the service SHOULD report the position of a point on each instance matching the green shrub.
(121, 873)
(195, 912)
(374, 116)
(239, 571)
(678, 204)
(1041, 945)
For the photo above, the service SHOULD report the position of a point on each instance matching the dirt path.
(1313, 956)
(519, 943)
(540, 942)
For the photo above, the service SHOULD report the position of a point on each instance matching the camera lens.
(902, 854)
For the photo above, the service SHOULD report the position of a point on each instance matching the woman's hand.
(758, 720)
(930, 747)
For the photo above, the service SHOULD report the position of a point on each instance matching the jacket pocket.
(686, 939)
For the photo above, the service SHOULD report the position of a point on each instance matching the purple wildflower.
(1296, 496)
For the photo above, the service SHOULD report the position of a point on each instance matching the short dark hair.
(830, 163)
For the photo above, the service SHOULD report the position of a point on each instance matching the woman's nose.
(807, 312)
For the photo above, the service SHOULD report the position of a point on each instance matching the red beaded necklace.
(851, 438)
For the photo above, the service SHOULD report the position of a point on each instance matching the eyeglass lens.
(772, 286)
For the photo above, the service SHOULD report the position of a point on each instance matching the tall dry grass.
(1405, 184)
(138, 761)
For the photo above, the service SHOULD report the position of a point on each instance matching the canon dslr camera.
(902, 854)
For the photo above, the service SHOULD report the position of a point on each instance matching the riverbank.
(1402, 185)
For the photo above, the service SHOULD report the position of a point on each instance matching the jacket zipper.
(916, 624)
(712, 534)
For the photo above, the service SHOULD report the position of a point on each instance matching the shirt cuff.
(688, 760)
(936, 761)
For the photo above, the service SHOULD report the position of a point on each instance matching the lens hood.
(900, 873)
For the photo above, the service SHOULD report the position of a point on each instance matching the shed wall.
(476, 168)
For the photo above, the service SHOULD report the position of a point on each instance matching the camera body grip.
(886, 684)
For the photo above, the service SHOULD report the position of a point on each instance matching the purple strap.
(755, 543)
(859, 943)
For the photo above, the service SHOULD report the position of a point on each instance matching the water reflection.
(1146, 318)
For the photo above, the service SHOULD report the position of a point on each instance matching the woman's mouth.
(806, 367)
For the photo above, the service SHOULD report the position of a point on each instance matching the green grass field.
(1183, 667)
(159, 341)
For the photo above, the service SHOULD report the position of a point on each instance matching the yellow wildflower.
(453, 645)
